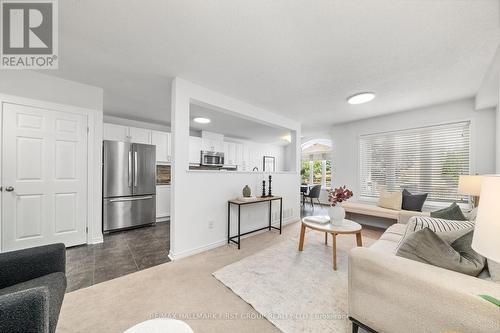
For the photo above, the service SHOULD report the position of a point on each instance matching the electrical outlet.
(210, 224)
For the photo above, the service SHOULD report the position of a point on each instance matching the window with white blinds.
(421, 160)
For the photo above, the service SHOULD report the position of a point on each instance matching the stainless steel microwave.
(211, 158)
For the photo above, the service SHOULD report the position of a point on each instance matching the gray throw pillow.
(427, 247)
(413, 202)
(453, 212)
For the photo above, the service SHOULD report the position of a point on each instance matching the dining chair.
(314, 193)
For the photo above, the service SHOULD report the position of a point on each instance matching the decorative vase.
(247, 192)
(337, 214)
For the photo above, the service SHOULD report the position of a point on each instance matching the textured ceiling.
(297, 58)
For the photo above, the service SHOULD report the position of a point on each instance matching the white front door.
(44, 177)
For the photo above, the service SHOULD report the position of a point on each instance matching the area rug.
(296, 291)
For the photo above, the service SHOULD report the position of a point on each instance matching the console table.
(239, 203)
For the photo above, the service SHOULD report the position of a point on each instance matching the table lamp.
(486, 240)
(487, 227)
(470, 185)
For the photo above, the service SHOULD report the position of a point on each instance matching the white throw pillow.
(390, 200)
(448, 230)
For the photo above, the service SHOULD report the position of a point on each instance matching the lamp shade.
(469, 185)
(486, 240)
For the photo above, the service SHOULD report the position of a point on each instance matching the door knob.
(9, 189)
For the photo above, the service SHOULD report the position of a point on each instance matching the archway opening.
(316, 163)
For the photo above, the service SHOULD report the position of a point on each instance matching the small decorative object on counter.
(270, 193)
(263, 188)
(335, 197)
(247, 192)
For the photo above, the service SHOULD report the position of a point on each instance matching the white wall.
(345, 136)
(199, 198)
(46, 88)
(35, 85)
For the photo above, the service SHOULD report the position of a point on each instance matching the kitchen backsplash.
(163, 175)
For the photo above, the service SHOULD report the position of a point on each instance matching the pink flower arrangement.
(339, 195)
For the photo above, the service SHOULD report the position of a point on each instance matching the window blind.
(422, 160)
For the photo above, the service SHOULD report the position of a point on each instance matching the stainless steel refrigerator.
(129, 185)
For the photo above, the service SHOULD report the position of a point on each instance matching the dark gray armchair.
(32, 287)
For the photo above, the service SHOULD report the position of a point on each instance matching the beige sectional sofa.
(391, 294)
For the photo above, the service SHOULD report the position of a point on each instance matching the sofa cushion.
(370, 209)
(389, 240)
(56, 285)
(413, 202)
(394, 233)
(494, 270)
(427, 247)
(453, 212)
(390, 200)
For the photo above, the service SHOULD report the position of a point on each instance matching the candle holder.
(263, 188)
(270, 194)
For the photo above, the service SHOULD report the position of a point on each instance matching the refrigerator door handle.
(135, 169)
(131, 199)
(129, 169)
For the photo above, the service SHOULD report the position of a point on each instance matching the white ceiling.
(224, 122)
(298, 58)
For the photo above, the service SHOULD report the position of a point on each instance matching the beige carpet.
(183, 289)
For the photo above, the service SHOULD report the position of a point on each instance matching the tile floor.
(121, 253)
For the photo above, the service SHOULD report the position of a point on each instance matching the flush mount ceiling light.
(201, 120)
(361, 98)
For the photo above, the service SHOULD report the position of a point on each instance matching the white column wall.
(199, 198)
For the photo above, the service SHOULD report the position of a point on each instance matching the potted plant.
(335, 197)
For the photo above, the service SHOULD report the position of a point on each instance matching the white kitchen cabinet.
(162, 201)
(245, 158)
(238, 154)
(161, 141)
(228, 156)
(115, 132)
(194, 150)
(233, 154)
(139, 135)
(212, 141)
(212, 145)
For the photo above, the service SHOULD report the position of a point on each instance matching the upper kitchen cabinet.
(126, 134)
(162, 141)
(139, 135)
(115, 132)
(212, 141)
(233, 154)
(194, 150)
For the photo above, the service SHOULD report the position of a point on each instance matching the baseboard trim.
(96, 240)
(190, 252)
(163, 219)
(187, 253)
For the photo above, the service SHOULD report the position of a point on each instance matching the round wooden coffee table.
(347, 227)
